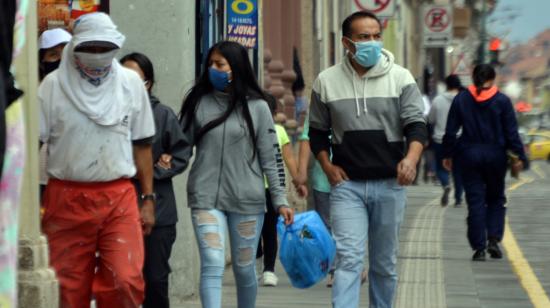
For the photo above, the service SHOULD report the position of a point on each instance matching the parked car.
(538, 144)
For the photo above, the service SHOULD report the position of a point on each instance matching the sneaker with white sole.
(269, 279)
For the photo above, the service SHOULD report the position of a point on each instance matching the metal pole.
(483, 32)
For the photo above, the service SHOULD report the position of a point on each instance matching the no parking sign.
(437, 25)
(382, 8)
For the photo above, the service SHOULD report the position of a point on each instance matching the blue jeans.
(244, 231)
(362, 210)
(443, 174)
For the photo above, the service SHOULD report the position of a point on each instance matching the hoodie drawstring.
(357, 97)
(355, 94)
(364, 96)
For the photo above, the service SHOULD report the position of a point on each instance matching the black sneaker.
(493, 250)
(479, 255)
(458, 204)
(445, 198)
(330, 279)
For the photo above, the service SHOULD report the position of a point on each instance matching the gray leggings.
(322, 206)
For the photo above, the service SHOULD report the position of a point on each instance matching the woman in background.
(489, 132)
(168, 156)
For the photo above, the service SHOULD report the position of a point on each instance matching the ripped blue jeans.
(244, 231)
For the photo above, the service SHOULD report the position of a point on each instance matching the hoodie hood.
(449, 95)
(104, 103)
(154, 100)
(382, 67)
(484, 95)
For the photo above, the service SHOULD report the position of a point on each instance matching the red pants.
(81, 219)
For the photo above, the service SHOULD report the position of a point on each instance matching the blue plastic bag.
(306, 249)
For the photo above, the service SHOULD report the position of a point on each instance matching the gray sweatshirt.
(438, 115)
(225, 175)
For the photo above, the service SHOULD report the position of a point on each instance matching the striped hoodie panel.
(367, 115)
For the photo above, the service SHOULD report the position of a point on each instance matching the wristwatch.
(152, 197)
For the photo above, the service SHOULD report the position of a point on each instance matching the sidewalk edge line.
(526, 276)
(523, 270)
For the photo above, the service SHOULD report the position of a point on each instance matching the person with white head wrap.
(50, 43)
(97, 121)
(95, 82)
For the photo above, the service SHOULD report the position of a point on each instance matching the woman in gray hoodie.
(226, 117)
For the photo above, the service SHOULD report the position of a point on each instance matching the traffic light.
(494, 49)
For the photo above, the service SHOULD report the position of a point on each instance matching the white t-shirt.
(427, 105)
(83, 151)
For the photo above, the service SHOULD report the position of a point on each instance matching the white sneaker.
(270, 279)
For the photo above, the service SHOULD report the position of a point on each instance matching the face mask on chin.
(94, 67)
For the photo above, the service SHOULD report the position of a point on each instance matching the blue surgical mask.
(218, 79)
(367, 53)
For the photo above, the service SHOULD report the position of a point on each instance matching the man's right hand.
(335, 174)
(147, 213)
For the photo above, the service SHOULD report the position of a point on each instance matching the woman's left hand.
(448, 164)
(516, 168)
(287, 213)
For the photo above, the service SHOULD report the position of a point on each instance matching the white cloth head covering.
(103, 103)
(53, 37)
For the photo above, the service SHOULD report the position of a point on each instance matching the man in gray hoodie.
(373, 109)
(437, 118)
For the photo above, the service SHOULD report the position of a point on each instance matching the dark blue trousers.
(158, 247)
(483, 170)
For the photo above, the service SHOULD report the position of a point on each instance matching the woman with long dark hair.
(225, 115)
(169, 149)
(489, 136)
